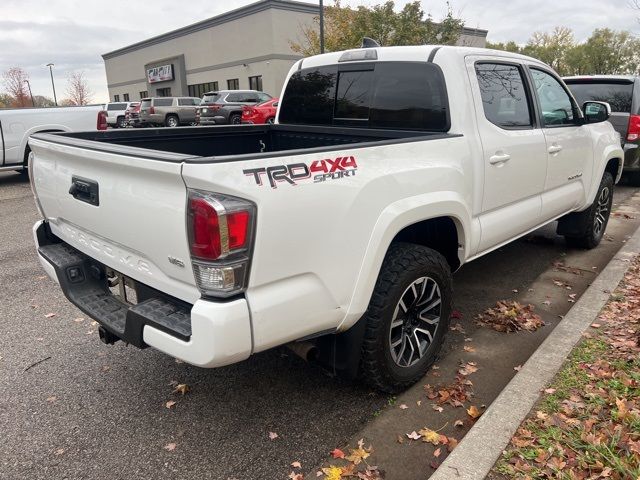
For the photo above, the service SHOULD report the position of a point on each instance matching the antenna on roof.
(369, 43)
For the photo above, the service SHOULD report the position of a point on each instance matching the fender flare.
(612, 152)
(390, 222)
(39, 129)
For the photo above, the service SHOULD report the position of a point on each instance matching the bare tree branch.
(78, 89)
(14, 83)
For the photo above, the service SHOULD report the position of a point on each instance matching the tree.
(6, 100)
(14, 83)
(511, 46)
(78, 89)
(604, 52)
(611, 52)
(551, 48)
(42, 101)
(345, 27)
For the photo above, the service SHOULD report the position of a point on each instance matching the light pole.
(55, 100)
(30, 94)
(321, 27)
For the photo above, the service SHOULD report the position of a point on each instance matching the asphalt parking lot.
(74, 408)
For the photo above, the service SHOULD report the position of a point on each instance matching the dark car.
(225, 106)
(622, 92)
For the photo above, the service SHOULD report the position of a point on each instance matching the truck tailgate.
(139, 206)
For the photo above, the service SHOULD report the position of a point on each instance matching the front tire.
(593, 221)
(407, 318)
(120, 123)
(235, 119)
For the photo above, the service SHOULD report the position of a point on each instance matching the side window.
(504, 95)
(557, 107)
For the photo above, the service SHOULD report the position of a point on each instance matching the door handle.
(555, 149)
(499, 158)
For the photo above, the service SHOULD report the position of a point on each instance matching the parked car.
(132, 114)
(17, 124)
(622, 92)
(225, 106)
(261, 113)
(116, 114)
(336, 230)
(168, 111)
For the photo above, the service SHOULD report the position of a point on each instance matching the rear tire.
(412, 296)
(592, 222)
(171, 121)
(25, 163)
(235, 119)
(120, 122)
(271, 120)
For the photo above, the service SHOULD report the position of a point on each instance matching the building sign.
(160, 74)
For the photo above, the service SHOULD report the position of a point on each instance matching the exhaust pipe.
(305, 350)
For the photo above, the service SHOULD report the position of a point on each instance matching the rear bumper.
(205, 334)
(217, 120)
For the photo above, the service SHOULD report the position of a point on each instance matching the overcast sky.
(73, 34)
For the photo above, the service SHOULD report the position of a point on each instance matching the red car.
(261, 113)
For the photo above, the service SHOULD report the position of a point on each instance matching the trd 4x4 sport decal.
(322, 170)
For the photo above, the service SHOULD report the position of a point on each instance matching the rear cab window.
(387, 95)
(617, 93)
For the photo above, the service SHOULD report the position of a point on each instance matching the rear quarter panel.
(319, 244)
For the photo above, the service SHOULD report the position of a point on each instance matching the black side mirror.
(596, 112)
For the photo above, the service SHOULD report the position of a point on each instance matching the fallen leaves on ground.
(355, 465)
(473, 412)
(510, 316)
(182, 388)
(170, 447)
(50, 315)
(273, 435)
(587, 424)
(170, 404)
(337, 453)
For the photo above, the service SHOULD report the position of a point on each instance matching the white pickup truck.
(17, 124)
(337, 229)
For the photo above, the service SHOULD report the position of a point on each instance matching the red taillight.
(220, 234)
(101, 123)
(152, 110)
(205, 229)
(219, 225)
(238, 226)
(633, 132)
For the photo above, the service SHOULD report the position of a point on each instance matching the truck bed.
(229, 143)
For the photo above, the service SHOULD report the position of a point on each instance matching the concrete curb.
(485, 442)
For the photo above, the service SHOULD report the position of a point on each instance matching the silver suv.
(168, 111)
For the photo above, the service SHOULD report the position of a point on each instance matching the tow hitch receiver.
(106, 336)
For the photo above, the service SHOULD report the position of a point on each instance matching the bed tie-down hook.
(262, 146)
